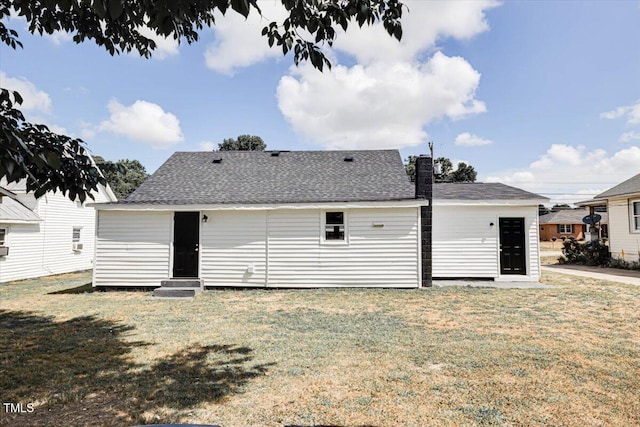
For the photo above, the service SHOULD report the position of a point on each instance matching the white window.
(3, 237)
(76, 234)
(75, 238)
(635, 215)
(565, 228)
(334, 226)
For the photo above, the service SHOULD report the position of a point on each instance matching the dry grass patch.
(352, 357)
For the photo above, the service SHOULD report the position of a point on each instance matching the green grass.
(566, 356)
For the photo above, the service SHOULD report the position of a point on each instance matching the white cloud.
(232, 30)
(632, 113)
(423, 24)
(568, 173)
(385, 100)
(59, 37)
(164, 46)
(143, 121)
(207, 145)
(388, 98)
(33, 98)
(630, 136)
(470, 140)
(378, 105)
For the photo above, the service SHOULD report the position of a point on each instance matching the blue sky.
(540, 95)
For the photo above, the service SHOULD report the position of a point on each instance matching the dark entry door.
(186, 244)
(513, 254)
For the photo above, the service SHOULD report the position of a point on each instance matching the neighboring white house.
(309, 219)
(44, 236)
(623, 206)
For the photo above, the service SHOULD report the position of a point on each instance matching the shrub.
(590, 253)
(626, 265)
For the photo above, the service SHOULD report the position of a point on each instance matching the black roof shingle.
(630, 186)
(257, 177)
(250, 177)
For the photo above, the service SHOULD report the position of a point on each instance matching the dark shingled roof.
(630, 186)
(253, 177)
(480, 191)
(250, 177)
(569, 216)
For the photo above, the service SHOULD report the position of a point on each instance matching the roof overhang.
(410, 203)
(493, 202)
(592, 203)
(12, 211)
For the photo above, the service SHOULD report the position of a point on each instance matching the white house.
(485, 230)
(311, 219)
(44, 236)
(623, 206)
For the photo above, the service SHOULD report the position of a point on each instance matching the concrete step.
(181, 283)
(173, 293)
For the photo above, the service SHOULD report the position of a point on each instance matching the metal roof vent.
(217, 160)
(348, 159)
(275, 154)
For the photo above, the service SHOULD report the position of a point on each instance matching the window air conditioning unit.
(77, 247)
(4, 250)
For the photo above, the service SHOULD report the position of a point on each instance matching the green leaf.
(115, 9)
(241, 6)
(17, 97)
(98, 7)
(397, 32)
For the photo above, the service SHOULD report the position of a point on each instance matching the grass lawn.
(568, 356)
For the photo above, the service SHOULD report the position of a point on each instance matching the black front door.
(185, 244)
(513, 259)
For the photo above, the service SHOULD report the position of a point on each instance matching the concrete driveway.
(631, 277)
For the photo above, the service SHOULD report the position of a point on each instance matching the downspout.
(424, 191)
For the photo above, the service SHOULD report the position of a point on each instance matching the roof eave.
(257, 206)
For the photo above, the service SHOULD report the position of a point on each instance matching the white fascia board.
(413, 203)
(110, 194)
(493, 202)
(627, 196)
(20, 221)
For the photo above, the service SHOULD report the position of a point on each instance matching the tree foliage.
(48, 161)
(243, 143)
(123, 176)
(463, 173)
(51, 162)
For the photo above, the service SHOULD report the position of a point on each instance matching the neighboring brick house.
(568, 223)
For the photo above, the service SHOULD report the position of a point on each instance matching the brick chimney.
(424, 190)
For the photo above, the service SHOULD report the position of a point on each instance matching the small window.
(76, 234)
(3, 237)
(565, 228)
(334, 226)
(635, 215)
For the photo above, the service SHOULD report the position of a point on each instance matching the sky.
(541, 95)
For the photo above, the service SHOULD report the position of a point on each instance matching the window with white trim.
(635, 215)
(565, 228)
(76, 235)
(3, 237)
(334, 226)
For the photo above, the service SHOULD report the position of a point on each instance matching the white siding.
(133, 248)
(230, 242)
(620, 235)
(373, 256)
(46, 247)
(466, 245)
(25, 252)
